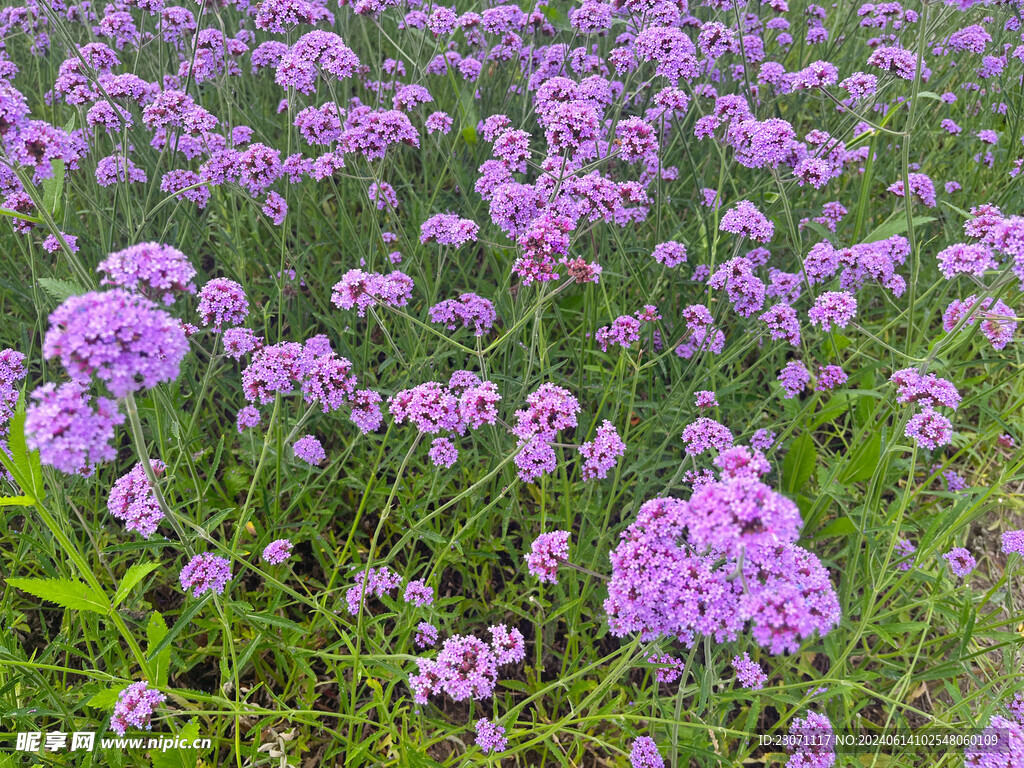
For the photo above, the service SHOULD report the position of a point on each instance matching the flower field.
(628, 383)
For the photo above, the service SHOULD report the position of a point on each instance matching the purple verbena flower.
(277, 551)
(135, 707)
(205, 572)
(132, 500)
(546, 553)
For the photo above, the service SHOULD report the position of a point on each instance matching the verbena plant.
(573, 384)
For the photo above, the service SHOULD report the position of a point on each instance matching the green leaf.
(23, 466)
(863, 461)
(133, 576)
(841, 526)
(798, 465)
(60, 289)
(164, 643)
(556, 17)
(16, 501)
(18, 215)
(160, 663)
(67, 593)
(894, 225)
(105, 699)
(184, 757)
(274, 621)
(53, 188)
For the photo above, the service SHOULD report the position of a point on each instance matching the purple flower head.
(508, 644)
(121, 338)
(222, 302)
(1013, 541)
(375, 581)
(275, 368)
(135, 707)
(327, 378)
(813, 747)
(929, 429)
(997, 319)
(154, 270)
(205, 572)
(670, 668)
(418, 593)
(429, 406)
(71, 435)
(490, 737)
(966, 259)
(448, 229)
(443, 452)
(830, 377)
(549, 409)
(478, 405)
(833, 308)
(277, 551)
(920, 185)
(309, 450)
(426, 635)
(366, 413)
(439, 122)
(468, 309)
(467, 668)
(705, 434)
(542, 243)
(132, 500)
(789, 597)
(961, 561)
(896, 60)
(925, 389)
(12, 371)
(239, 342)
(659, 587)
(706, 399)
(745, 220)
(546, 553)
(362, 290)
(749, 673)
(762, 439)
(602, 452)
(624, 332)
(905, 549)
(794, 377)
(670, 253)
(644, 754)
(737, 513)
(741, 461)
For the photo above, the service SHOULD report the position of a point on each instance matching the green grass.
(277, 661)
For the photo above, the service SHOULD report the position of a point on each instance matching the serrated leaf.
(133, 576)
(60, 289)
(16, 501)
(104, 699)
(184, 757)
(23, 466)
(798, 466)
(156, 632)
(67, 593)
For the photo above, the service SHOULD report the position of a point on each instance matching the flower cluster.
(467, 667)
(361, 290)
(132, 500)
(671, 572)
